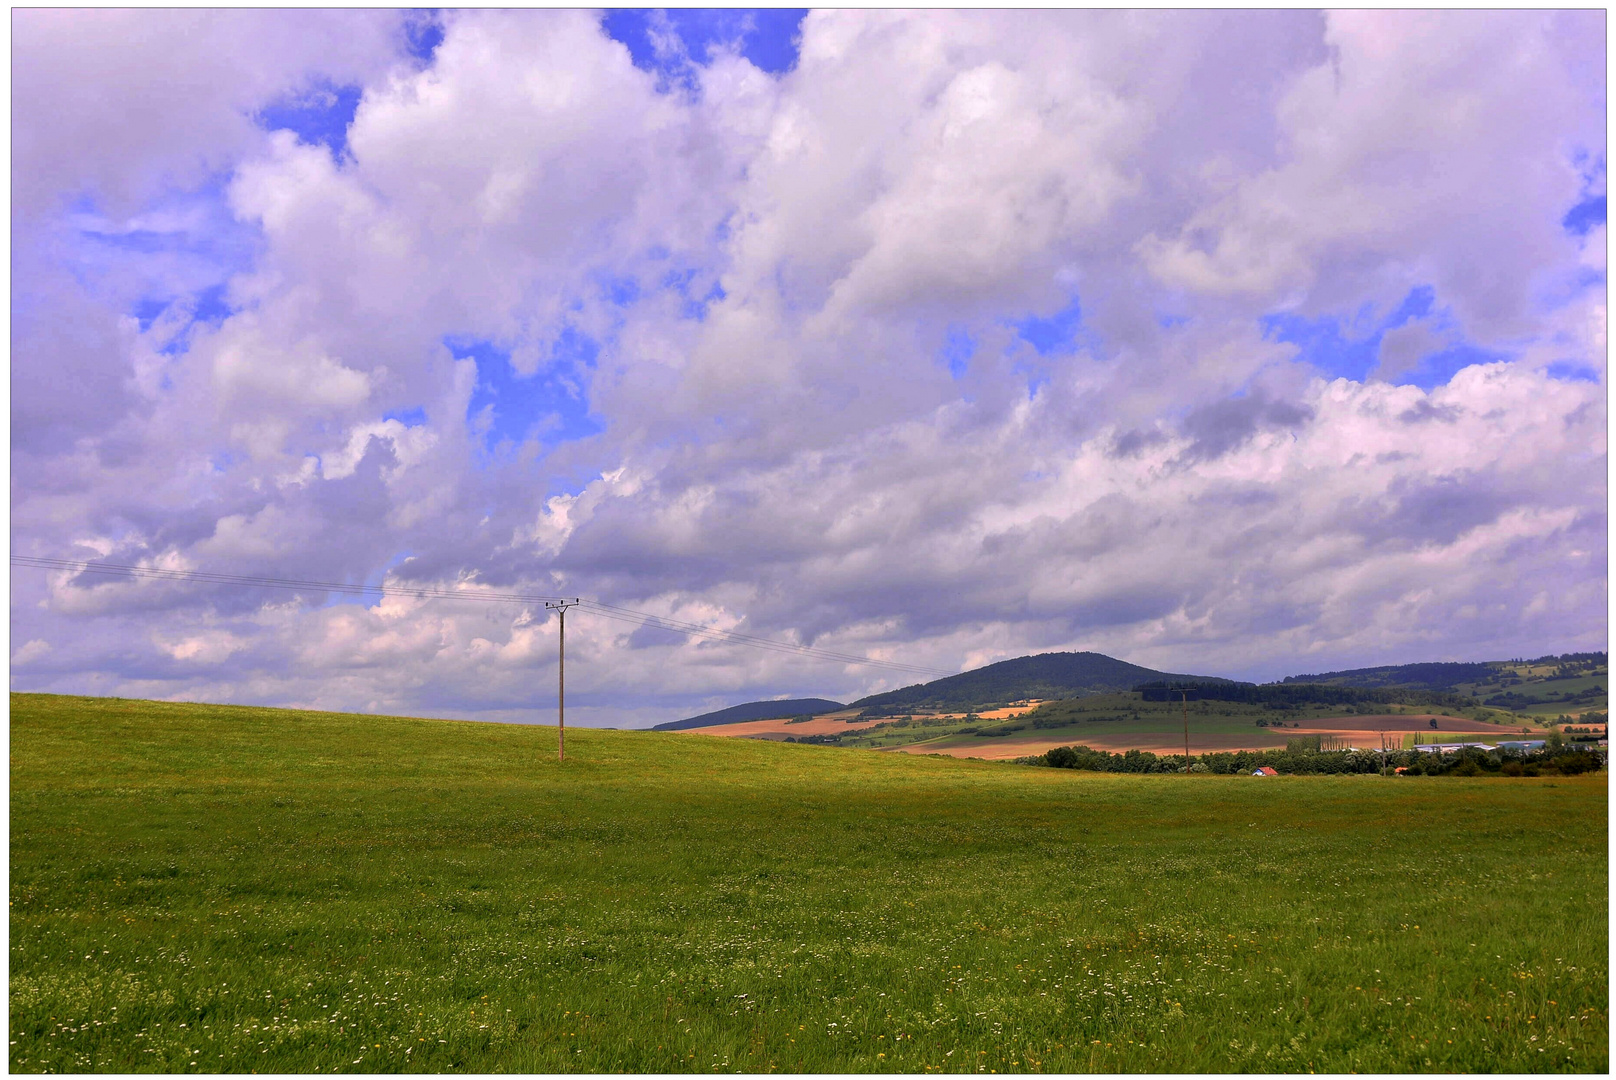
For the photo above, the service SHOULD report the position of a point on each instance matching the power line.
(604, 610)
(297, 585)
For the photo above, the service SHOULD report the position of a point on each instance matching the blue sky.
(765, 36)
(547, 407)
(319, 115)
(1342, 347)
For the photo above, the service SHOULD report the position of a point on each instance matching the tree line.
(1297, 760)
(1293, 695)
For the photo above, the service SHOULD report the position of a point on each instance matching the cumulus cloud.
(125, 103)
(1364, 132)
(952, 342)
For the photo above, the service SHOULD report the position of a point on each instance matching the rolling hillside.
(1047, 675)
(1572, 684)
(1463, 677)
(1437, 676)
(754, 710)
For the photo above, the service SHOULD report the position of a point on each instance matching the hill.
(1572, 684)
(1434, 676)
(197, 888)
(754, 710)
(1455, 677)
(1046, 675)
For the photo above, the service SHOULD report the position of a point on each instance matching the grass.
(200, 888)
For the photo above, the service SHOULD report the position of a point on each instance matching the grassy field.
(198, 888)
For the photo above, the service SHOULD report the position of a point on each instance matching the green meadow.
(203, 888)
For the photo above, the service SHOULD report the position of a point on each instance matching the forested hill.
(754, 710)
(1435, 676)
(1454, 676)
(1047, 675)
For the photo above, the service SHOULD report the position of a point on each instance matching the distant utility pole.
(1186, 732)
(1185, 692)
(560, 608)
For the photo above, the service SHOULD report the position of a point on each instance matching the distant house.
(1264, 771)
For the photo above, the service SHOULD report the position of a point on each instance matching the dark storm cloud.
(1222, 426)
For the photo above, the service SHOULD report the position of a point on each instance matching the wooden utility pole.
(560, 608)
(1186, 732)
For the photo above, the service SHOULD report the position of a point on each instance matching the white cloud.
(766, 273)
(1402, 158)
(204, 648)
(33, 650)
(124, 103)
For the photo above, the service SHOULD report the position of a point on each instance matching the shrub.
(1062, 757)
(1574, 763)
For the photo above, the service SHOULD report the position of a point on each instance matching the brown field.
(1014, 746)
(997, 714)
(1400, 722)
(822, 724)
(835, 723)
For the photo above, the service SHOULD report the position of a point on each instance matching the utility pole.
(1185, 692)
(560, 608)
(1186, 732)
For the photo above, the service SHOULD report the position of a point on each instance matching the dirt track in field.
(1400, 722)
(1014, 746)
(835, 723)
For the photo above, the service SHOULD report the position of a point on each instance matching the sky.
(1235, 343)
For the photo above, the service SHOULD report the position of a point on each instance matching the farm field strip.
(1164, 736)
(841, 722)
(830, 724)
(199, 888)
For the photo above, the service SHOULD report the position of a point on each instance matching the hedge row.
(1296, 762)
